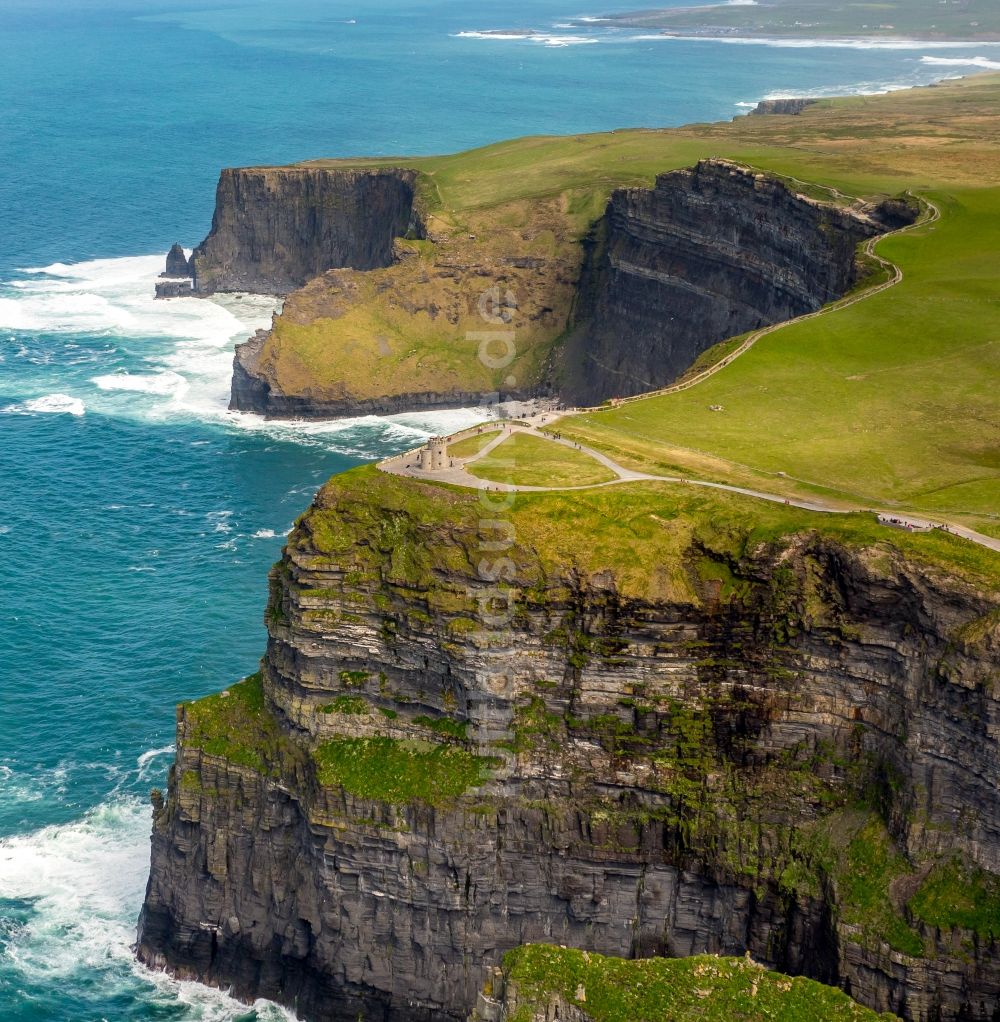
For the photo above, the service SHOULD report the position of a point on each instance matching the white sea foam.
(543, 38)
(264, 534)
(145, 762)
(167, 382)
(50, 404)
(82, 885)
(331, 434)
(980, 62)
(170, 358)
(179, 352)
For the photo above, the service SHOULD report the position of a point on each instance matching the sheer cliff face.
(274, 229)
(707, 254)
(671, 774)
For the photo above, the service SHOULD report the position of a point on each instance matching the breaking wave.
(543, 38)
(96, 328)
(72, 895)
(980, 62)
(50, 404)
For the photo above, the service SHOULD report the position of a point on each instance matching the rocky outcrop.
(274, 229)
(707, 254)
(174, 289)
(666, 273)
(670, 774)
(781, 106)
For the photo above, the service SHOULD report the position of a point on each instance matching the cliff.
(274, 229)
(711, 729)
(707, 254)
(663, 275)
(781, 106)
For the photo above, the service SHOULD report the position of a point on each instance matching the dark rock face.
(174, 289)
(266, 881)
(275, 229)
(177, 263)
(781, 106)
(707, 254)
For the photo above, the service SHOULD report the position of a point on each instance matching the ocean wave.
(81, 885)
(373, 430)
(184, 348)
(530, 36)
(264, 534)
(144, 764)
(165, 383)
(981, 62)
(879, 88)
(50, 404)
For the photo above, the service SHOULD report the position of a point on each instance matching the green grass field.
(646, 533)
(471, 444)
(526, 460)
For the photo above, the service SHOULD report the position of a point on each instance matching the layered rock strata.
(710, 761)
(782, 106)
(274, 229)
(707, 254)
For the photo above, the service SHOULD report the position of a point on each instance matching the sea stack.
(177, 263)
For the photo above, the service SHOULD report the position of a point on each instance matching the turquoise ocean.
(138, 517)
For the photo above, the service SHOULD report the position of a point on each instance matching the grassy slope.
(471, 445)
(526, 460)
(699, 989)
(645, 533)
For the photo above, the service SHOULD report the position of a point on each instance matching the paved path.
(458, 475)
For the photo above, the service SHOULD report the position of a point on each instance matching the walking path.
(457, 474)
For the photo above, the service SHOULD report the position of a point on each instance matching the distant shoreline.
(922, 22)
(840, 39)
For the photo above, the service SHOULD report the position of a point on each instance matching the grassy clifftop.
(810, 19)
(650, 537)
(892, 399)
